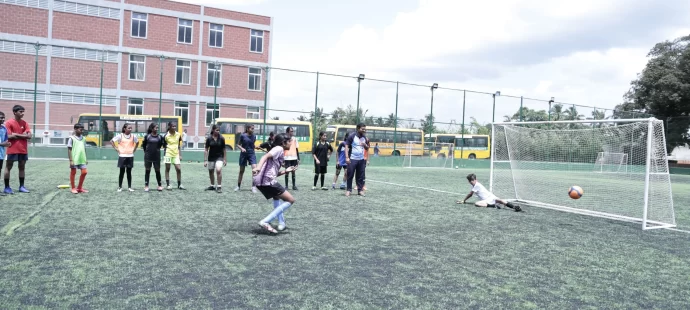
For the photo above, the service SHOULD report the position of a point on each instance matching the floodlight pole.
(265, 105)
(100, 106)
(431, 115)
(395, 121)
(215, 92)
(37, 46)
(316, 104)
(493, 114)
(521, 98)
(550, 102)
(160, 92)
(359, 83)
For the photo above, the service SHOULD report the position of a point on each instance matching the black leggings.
(129, 177)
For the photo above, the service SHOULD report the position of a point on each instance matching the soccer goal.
(537, 162)
(428, 155)
(611, 163)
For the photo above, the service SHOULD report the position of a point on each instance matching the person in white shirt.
(486, 198)
(184, 139)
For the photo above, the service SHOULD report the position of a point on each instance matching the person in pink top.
(265, 179)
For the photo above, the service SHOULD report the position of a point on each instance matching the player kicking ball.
(486, 198)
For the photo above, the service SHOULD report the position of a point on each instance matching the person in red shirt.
(18, 134)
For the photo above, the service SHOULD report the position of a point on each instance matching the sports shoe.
(347, 194)
(119, 189)
(517, 208)
(146, 189)
(181, 187)
(333, 186)
(361, 193)
(313, 188)
(130, 189)
(219, 190)
(74, 191)
(294, 187)
(211, 188)
(237, 188)
(82, 191)
(282, 227)
(254, 190)
(324, 188)
(23, 189)
(8, 191)
(268, 227)
(2, 194)
(168, 187)
(160, 188)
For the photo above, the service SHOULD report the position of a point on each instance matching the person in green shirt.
(76, 152)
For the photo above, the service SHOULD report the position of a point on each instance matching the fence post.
(265, 105)
(521, 108)
(395, 121)
(100, 109)
(462, 129)
(37, 46)
(316, 105)
(160, 94)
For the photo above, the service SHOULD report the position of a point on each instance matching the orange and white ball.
(575, 192)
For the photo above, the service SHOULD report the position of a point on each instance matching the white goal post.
(428, 155)
(537, 162)
(611, 163)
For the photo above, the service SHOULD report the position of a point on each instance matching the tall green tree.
(662, 89)
(428, 124)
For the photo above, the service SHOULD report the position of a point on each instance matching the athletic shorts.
(156, 164)
(175, 160)
(291, 163)
(491, 200)
(320, 169)
(247, 159)
(17, 157)
(125, 162)
(82, 166)
(339, 166)
(271, 191)
(214, 164)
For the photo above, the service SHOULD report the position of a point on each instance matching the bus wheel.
(472, 156)
(396, 153)
(229, 148)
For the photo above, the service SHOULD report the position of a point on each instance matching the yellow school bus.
(464, 146)
(232, 128)
(383, 137)
(107, 126)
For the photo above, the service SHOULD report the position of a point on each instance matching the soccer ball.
(575, 192)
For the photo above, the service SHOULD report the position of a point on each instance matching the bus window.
(416, 136)
(481, 142)
(445, 139)
(341, 134)
(238, 128)
(301, 131)
(271, 128)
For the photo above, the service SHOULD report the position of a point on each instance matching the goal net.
(537, 162)
(428, 155)
(611, 162)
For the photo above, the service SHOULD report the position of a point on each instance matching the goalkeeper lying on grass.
(486, 198)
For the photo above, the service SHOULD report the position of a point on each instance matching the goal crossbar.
(631, 120)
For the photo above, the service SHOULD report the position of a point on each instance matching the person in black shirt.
(268, 145)
(152, 145)
(215, 154)
(321, 152)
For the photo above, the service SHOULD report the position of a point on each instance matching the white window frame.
(129, 103)
(191, 29)
(181, 108)
(220, 74)
(189, 70)
(129, 66)
(222, 34)
(251, 75)
(251, 36)
(207, 110)
(251, 114)
(140, 20)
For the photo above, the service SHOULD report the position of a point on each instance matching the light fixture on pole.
(550, 102)
(160, 94)
(431, 115)
(359, 83)
(493, 114)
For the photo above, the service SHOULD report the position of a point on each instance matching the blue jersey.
(341, 154)
(3, 138)
(247, 142)
(358, 145)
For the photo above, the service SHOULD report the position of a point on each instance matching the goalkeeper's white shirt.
(483, 193)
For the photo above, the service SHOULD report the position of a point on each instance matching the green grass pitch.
(399, 247)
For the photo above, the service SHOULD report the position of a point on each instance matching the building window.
(253, 112)
(182, 109)
(183, 72)
(210, 115)
(212, 76)
(257, 41)
(184, 31)
(215, 36)
(139, 21)
(137, 67)
(135, 106)
(254, 79)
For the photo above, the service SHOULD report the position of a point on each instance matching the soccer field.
(405, 245)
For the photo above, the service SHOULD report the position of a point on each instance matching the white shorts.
(171, 160)
(218, 165)
(491, 200)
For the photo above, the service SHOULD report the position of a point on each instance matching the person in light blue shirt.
(3, 142)
(354, 157)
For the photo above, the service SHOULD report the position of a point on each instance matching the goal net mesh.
(537, 163)
(428, 155)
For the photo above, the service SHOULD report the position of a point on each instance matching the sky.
(582, 52)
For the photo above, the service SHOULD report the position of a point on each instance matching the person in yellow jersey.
(76, 152)
(291, 156)
(171, 143)
(125, 144)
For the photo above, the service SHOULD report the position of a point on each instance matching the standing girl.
(266, 176)
(125, 144)
(215, 154)
(171, 144)
(76, 151)
(246, 144)
(152, 155)
(321, 152)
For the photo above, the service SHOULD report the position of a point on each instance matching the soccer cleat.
(237, 189)
(82, 191)
(268, 227)
(282, 227)
(130, 189)
(23, 189)
(74, 191)
(146, 189)
(211, 188)
(324, 188)
(160, 188)
(333, 186)
(294, 187)
(169, 188)
(517, 208)
(361, 193)
(8, 191)
(219, 190)
(181, 187)
(313, 188)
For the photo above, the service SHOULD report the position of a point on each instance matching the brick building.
(128, 38)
